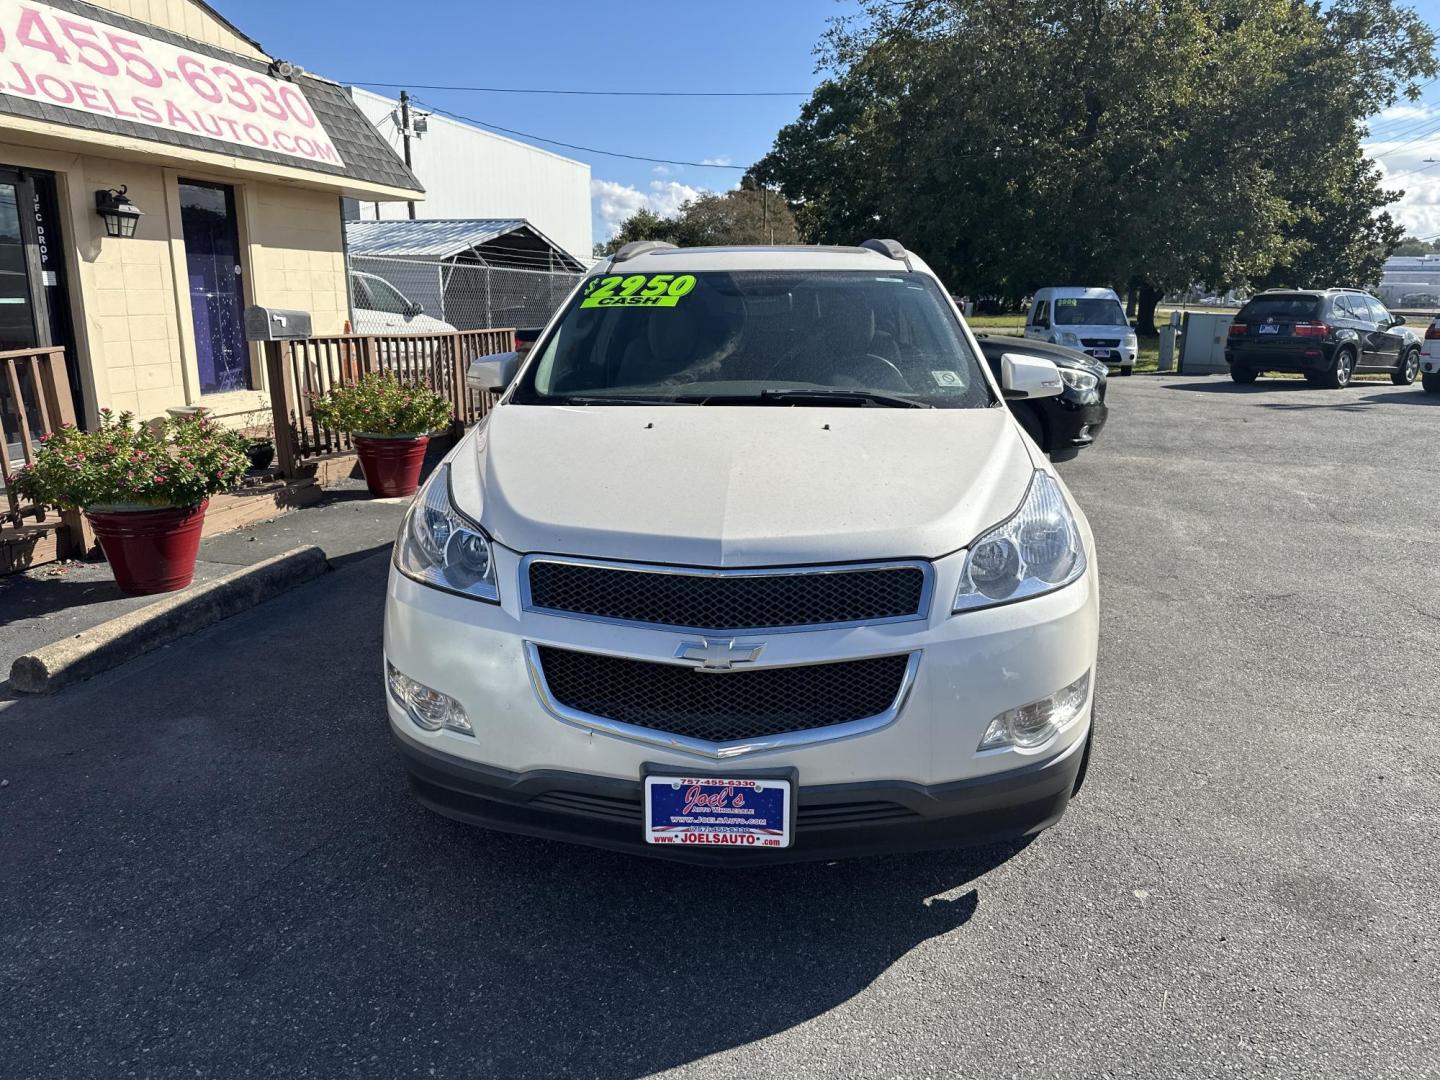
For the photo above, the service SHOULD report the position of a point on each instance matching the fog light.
(430, 709)
(1040, 721)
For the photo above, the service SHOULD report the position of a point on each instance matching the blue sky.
(684, 45)
(567, 44)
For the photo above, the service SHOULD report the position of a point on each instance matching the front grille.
(729, 601)
(721, 707)
(1100, 343)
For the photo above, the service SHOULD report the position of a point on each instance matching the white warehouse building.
(472, 173)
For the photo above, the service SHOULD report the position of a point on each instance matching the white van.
(1091, 320)
(381, 308)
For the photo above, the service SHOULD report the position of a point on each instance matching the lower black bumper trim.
(833, 821)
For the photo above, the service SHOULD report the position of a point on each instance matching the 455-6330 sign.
(638, 290)
(63, 59)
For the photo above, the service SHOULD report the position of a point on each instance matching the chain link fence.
(399, 296)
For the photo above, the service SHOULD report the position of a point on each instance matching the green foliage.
(1021, 143)
(1413, 247)
(178, 462)
(746, 216)
(379, 404)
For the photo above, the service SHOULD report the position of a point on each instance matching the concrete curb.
(125, 637)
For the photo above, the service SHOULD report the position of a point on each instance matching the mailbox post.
(273, 327)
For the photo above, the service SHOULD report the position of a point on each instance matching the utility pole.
(405, 138)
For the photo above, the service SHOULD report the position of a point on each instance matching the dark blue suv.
(1328, 335)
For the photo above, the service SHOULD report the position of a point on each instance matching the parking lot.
(209, 863)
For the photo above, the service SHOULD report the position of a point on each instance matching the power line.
(572, 146)
(590, 93)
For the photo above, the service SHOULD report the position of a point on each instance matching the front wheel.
(1128, 370)
(1338, 377)
(1243, 376)
(1431, 382)
(1409, 368)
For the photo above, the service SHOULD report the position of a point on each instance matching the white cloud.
(723, 159)
(1403, 112)
(663, 170)
(614, 202)
(1405, 167)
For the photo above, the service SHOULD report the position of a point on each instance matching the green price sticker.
(637, 290)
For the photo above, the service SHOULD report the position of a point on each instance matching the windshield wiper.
(800, 395)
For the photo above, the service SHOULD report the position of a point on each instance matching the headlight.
(1132, 342)
(1036, 551)
(1067, 338)
(1040, 721)
(1083, 381)
(438, 546)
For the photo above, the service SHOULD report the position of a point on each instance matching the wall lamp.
(120, 214)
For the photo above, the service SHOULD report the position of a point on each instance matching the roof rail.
(639, 247)
(891, 249)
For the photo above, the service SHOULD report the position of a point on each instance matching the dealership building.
(160, 172)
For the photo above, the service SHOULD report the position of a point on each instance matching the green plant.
(382, 405)
(176, 462)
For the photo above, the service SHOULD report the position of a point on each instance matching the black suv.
(1328, 335)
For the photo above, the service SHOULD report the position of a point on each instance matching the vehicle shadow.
(221, 871)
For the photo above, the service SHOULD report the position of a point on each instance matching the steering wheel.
(864, 370)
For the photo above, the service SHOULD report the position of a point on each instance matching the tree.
(1413, 247)
(746, 216)
(1017, 143)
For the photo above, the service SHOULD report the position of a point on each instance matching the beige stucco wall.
(130, 302)
(184, 17)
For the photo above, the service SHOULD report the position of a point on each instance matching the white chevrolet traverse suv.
(749, 563)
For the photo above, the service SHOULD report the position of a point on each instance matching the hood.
(736, 486)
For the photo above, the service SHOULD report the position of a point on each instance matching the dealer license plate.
(1099, 354)
(1269, 328)
(706, 812)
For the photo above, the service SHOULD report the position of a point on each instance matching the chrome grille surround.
(910, 580)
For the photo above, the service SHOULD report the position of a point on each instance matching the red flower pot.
(391, 466)
(150, 551)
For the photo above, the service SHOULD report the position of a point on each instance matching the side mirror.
(413, 308)
(1397, 320)
(492, 372)
(1024, 376)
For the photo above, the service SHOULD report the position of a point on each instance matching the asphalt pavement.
(210, 866)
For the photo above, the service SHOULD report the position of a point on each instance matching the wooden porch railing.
(300, 371)
(34, 401)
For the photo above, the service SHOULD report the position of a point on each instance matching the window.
(1041, 315)
(1378, 314)
(1285, 309)
(1089, 311)
(384, 297)
(738, 337)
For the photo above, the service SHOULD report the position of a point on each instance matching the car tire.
(1341, 372)
(1314, 378)
(1128, 370)
(1409, 368)
(1030, 421)
(1244, 376)
(1070, 453)
(1431, 382)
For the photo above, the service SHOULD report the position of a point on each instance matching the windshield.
(758, 337)
(1089, 311)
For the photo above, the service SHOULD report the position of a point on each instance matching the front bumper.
(923, 755)
(1077, 425)
(832, 821)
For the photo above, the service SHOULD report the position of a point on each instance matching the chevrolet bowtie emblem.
(719, 655)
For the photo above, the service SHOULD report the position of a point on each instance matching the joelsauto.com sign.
(62, 59)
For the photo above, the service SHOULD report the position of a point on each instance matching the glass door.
(20, 322)
(217, 305)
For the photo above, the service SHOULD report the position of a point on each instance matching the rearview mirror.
(492, 372)
(1024, 376)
